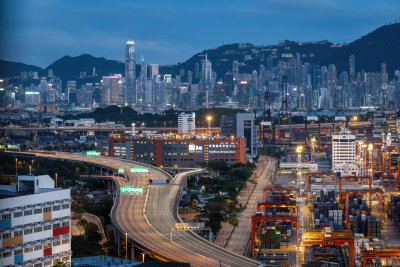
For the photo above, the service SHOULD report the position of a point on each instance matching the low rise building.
(35, 222)
(171, 151)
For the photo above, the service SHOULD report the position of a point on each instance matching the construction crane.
(292, 205)
(284, 113)
(327, 237)
(353, 178)
(380, 253)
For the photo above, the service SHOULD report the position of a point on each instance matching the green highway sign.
(139, 169)
(127, 189)
(92, 153)
(121, 170)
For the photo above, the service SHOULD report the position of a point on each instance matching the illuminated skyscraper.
(352, 66)
(206, 73)
(130, 73)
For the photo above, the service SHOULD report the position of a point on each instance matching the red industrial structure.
(362, 192)
(262, 218)
(380, 253)
(281, 190)
(335, 238)
(312, 174)
(353, 178)
(292, 204)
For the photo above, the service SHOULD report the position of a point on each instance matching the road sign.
(139, 169)
(92, 153)
(128, 189)
(121, 170)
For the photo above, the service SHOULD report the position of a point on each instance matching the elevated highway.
(146, 219)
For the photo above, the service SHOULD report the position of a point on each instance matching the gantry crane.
(281, 190)
(380, 253)
(335, 238)
(362, 192)
(262, 218)
(292, 205)
(317, 174)
(353, 178)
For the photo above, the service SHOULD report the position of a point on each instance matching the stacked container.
(326, 211)
(360, 218)
(394, 210)
(271, 234)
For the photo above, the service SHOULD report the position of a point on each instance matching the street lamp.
(209, 118)
(16, 168)
(56, 179)
(299, 150)
(30, 170)
(126, 245)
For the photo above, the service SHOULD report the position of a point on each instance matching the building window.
(47, 209)
(6, 255)
(65, 224)
(65, 241)
(17, 233)
(17, 214)
(56, 225)
(65, 206)
(37, 211)
(48, 263)
(38, 247)
(28, 212)
(6, 216)
(8, 235)
(47, 245)
(26, 250)
(28, 231)
(56, 208)
(38, 229)
(56, 243)
(18, 251)
(46, 227)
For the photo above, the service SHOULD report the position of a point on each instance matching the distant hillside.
(381, 45)
(69, 68)
(10, 69)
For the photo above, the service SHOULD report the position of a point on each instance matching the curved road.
(148, 218)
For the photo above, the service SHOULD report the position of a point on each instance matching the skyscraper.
(352, 68)
(130, 73)
(235, 67)
(206, 72)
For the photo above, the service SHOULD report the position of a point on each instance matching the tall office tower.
(344, 154)
(270, 62)
(206, 73)
(190, 77)
(385, 76)
(332, 74)
(71, 92)
(50, 73)
(113, 90)
(153, 70)
(344, 79)
(352, 68)
(316, 77)
(130, 73)
(246, 127)
(36, 223)
(187, 123)
(235, 67)
(197, 71)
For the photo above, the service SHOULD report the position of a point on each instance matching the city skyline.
(179, 32)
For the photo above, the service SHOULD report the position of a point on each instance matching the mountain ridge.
(370, 50)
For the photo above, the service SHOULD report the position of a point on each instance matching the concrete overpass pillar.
(119, 244)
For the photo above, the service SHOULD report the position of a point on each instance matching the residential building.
(35, 223)
(344, 154)
(186, 123)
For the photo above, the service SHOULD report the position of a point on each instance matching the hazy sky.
(168, 31)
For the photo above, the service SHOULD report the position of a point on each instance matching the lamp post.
(16, 168)
(299, 150)
(126, 245)
(209, 119)
(30, 170)
(56, 179)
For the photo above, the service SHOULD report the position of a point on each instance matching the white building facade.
(35, 227)
(187, 123)
(344, 154)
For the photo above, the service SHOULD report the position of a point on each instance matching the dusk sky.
(39, 32)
